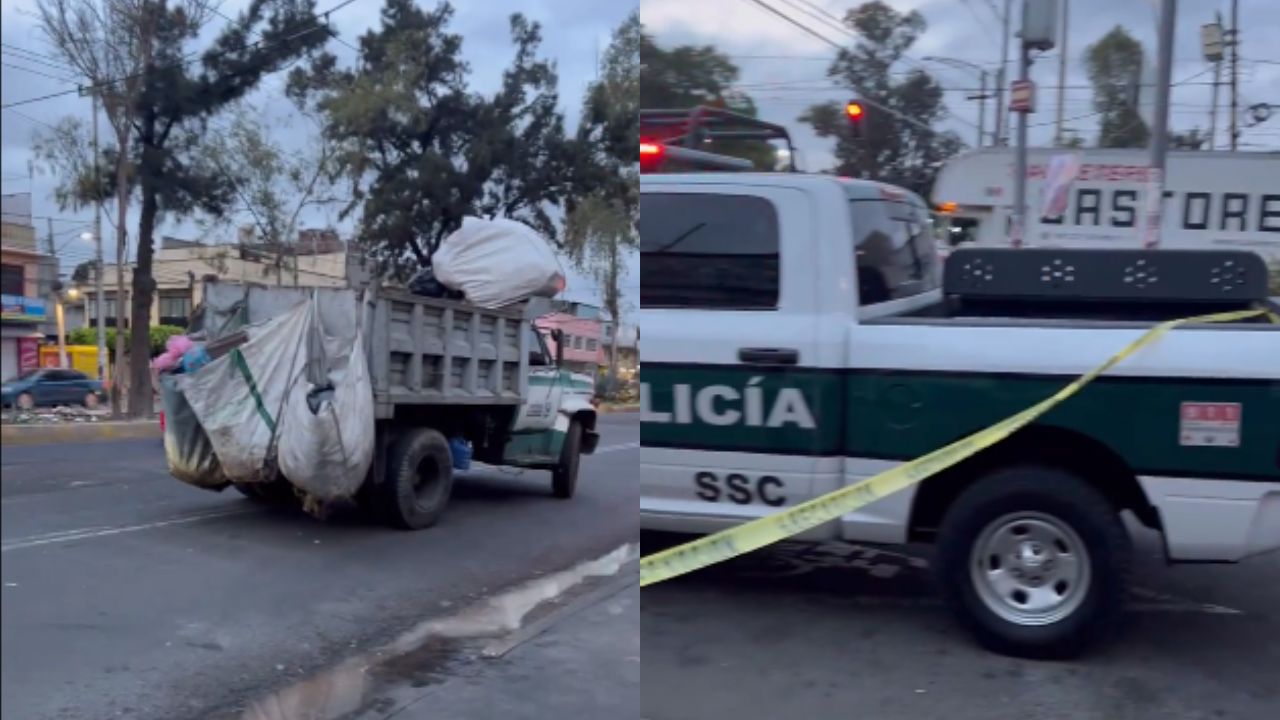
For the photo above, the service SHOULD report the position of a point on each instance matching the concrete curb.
(79, 432)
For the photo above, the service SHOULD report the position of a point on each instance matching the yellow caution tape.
(744, 538)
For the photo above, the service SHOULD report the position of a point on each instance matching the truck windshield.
(896, 252)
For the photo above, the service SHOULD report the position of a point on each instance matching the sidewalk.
(585, 666)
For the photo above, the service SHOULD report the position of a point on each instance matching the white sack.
(238, 397)
(497, 262)
(328, 452)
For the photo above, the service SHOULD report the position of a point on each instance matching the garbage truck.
(374, 396)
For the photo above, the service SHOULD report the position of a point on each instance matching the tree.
(890, 149)
(83, 274)
(687, 76)
(601, 231)
(171, 111)
(109, 43)
(1115, 66)
(422, 151)
(273, 186)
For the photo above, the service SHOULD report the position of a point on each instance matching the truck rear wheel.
(419, 480)
(564, 477)
(1034, 561)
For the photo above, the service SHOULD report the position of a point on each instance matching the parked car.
(51, 386)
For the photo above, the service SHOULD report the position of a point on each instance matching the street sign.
(1022, 96)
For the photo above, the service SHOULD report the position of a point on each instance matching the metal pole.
(62, 332)
(1001, 76)
(982, 107)
(1062, 75)
(99, 292)
(1020, 166)
(1160, 122)
(1235, 71)
(1213, 104)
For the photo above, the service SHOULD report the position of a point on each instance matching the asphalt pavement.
(129, 594)
(808, 631)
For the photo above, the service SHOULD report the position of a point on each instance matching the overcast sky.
(784, 68)
(574, 31)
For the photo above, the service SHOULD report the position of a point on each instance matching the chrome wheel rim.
(1030, 568)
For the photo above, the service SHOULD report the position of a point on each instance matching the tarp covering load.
(186, 446)
(497, 262)
(327, 429)
(238, 397)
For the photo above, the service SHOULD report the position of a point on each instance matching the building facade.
(27, 279)
(583, 343)
(180, 266)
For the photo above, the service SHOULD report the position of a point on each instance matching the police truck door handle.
(769, 356)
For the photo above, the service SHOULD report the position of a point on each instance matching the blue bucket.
(461, 451)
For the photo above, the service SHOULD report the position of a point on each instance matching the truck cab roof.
(853, 188)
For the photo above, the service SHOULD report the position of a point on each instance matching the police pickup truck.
(800, 337)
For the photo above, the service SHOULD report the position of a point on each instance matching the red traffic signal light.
(854, 110)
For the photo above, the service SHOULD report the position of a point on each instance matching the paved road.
(847, 630)
(127, 593)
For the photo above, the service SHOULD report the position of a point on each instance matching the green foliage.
(157, 335)
(160, 334)
(890, 150)
(89, 336)
(1115, 67)
(684, 76)
(83, 273)
(422, 150)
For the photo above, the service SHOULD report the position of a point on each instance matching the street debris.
(62, 414)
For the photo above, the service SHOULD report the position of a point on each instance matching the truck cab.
(801, 338)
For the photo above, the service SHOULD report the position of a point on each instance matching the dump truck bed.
(421, 350)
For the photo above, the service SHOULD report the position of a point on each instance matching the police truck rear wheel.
(564, 477)
(419, 480)
(1034, 561)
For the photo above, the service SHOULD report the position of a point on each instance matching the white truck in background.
(1213, 200)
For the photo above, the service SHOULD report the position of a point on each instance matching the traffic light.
(855, 112)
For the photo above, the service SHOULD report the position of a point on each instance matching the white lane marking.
(101, 531)
(616, 448)
(95, 532)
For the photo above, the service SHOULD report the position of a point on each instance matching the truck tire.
(418, 482)
(564, 477)
(1035, 562)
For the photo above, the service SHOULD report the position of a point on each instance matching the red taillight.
(650, 151)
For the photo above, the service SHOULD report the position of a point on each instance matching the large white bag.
(497, 262)
(238, 397)
(327, 431)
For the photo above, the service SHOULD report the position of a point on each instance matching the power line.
(28, 118)
(895, 113)
(36, 72)
(34, 58)
(191, 58)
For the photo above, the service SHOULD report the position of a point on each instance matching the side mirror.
(558, 336)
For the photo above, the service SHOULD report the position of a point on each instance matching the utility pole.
(1211, 40)
(56, 289)
(1160, 123)
(1002, 78)
(1062, 75)
(1235, 71)
(982, 106)
(99, 294)
(1020, 164)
